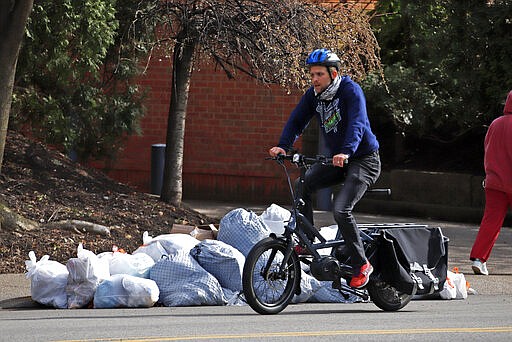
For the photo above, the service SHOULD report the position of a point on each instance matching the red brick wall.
(230, 126)
(134, 164)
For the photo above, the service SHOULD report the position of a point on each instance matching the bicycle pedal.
(336, 284)
(346, 290)
(346, 296)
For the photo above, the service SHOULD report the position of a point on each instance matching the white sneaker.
(479, 267)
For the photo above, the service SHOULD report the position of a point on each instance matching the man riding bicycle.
(340, 108)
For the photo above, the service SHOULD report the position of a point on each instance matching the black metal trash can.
(157, 168)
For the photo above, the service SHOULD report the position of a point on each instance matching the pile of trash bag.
(169, 269)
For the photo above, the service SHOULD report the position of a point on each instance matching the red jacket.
(498, 151)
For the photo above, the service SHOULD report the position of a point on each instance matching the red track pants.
(496, 206)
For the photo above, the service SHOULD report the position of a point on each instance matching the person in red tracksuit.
(498, 186)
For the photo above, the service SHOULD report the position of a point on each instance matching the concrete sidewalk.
(14, 288)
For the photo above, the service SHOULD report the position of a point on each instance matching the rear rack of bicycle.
(390, 225)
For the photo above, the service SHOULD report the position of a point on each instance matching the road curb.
(20, 303)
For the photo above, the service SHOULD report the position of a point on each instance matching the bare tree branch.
(266, 39)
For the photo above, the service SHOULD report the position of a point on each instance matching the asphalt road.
(481, 317)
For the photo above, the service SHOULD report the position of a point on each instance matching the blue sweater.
(344, 121)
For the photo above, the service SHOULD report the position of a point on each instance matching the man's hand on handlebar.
(340, 160)
(276, 150)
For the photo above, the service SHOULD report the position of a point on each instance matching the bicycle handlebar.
(300, 159)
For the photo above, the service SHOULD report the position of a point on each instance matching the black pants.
(356, 177)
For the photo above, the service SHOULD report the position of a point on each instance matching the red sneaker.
(361, 279)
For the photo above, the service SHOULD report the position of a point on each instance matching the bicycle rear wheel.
(386, 297)
(269, 289)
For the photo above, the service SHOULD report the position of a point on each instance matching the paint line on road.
(305, 334)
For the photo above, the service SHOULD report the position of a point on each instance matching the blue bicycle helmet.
(323, 57)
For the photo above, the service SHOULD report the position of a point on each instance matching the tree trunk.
(13, 18)
(173, 167)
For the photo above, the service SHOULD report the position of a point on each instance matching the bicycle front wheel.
(268, 287)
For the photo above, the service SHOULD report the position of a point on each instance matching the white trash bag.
(126, 291)
(328, 233)
(173, 243)
(152, 248)
(275, 218)
(48, 280)
(85, 273)
(137, 265)
(165, 244)
(454, 286)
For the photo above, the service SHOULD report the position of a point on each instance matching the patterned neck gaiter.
(330, 91)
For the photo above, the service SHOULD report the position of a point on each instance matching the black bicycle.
(272, 270)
